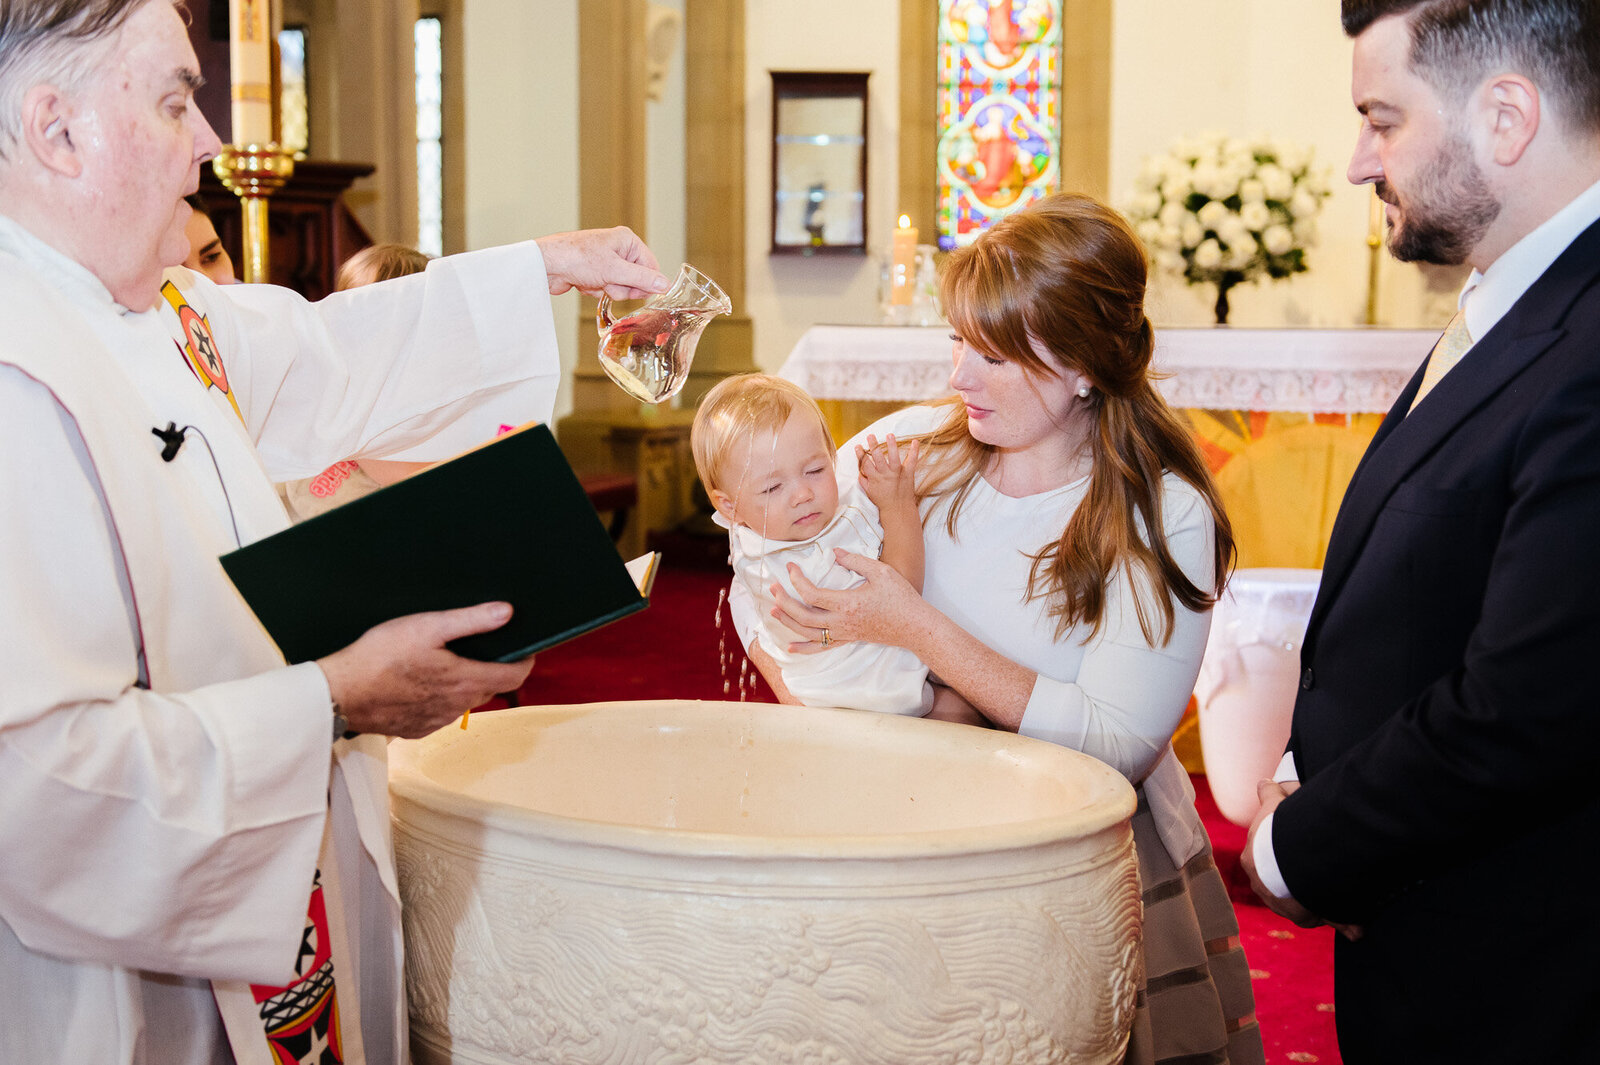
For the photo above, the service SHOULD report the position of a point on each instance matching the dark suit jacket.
(1447, 725)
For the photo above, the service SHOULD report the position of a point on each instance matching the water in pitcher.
(648, 351)
(638, 352)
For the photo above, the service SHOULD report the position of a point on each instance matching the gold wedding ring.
(826, 638)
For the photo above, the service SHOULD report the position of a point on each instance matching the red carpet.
(676, 650)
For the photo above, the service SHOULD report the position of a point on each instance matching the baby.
(765, 457)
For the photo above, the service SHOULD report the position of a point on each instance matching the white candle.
(903, 263)
(250, 59)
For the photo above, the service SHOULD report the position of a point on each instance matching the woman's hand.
(885, 609)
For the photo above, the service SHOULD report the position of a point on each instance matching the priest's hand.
(398, 679)
(614, 261)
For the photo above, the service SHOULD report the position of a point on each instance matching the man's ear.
(46, 130)
(1511, 105)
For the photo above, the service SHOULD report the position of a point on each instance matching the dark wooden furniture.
(616, 493)
(312, 230)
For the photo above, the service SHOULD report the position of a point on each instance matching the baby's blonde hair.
(737, 407)
(380, 262)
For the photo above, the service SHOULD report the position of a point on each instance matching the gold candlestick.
(1375, 220)
(253, 173)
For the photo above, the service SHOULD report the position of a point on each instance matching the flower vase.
(1224, 283)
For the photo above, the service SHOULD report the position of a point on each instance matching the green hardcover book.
(506, 521)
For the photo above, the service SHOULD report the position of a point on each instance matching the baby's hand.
(888, 472)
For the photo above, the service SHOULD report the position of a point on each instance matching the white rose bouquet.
(1222, 210)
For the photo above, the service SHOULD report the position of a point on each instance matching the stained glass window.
(430, 133)
(999, 111)
(294, 125)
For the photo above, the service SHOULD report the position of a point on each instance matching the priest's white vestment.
(168, 786)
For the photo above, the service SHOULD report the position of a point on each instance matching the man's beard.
(1446, 215)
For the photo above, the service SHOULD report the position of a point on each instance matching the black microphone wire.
(170, 433)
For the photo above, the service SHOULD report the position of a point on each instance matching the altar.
(1283, 415)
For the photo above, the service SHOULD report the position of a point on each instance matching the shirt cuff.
(1286, 770)
(1266, 862)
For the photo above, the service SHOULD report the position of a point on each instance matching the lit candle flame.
(905, 221)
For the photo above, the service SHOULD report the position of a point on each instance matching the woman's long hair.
(1069, 274)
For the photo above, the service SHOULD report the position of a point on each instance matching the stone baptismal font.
(687, 882)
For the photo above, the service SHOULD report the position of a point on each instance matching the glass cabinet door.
(819, 162)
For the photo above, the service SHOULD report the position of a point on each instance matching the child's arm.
(887, 476)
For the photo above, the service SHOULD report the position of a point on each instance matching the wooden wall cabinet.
(312, 231)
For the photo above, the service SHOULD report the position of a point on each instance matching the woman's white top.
(1110, 695)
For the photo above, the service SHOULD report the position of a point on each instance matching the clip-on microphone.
(171, 440)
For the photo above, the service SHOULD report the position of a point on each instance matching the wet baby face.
(780, 484)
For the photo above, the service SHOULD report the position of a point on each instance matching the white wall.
(786, 294)
(521, 73)
(1245, 66)
(1259, 66)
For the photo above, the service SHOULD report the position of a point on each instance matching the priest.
(197, 865)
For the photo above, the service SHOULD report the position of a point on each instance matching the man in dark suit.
(1447, 723)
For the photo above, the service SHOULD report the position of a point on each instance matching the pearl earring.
(1083, 392)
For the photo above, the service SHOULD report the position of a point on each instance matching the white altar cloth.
(1337, 371)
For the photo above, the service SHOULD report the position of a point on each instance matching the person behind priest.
(197, 865)
(206, 253)
(1075, 545)
(1444, 730)
(762, 449)
(349, 478)
(383, 261)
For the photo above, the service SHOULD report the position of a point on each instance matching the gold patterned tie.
(1446, 353)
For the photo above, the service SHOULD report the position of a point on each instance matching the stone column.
(371, 47)
(1086, 97)
(714, 58)
(608, 430)
(919, 191)
(612, 168)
